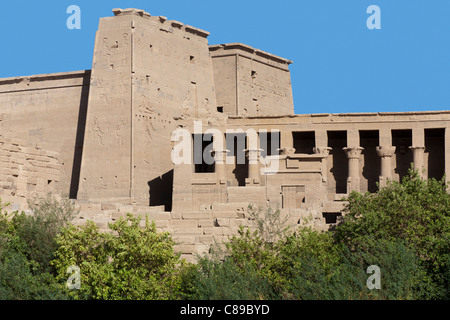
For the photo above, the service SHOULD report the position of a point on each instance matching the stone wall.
(26, 172)
(48, 110)
(251, 82)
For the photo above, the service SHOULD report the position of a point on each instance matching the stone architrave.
(385, 153)
(353, 156)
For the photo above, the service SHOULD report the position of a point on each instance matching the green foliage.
(402, 275)
(403, 229)
(132, 262)
(313, 267)
(414, 211)
(225, 280)
(308, 264)
(27, 243)
(38, 231)
(20, 281)
(268, 222)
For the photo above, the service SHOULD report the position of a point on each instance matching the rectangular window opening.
(337, 162)
(304, 142)
(203, 160)
(269, 142)
(435, 152)
(331, 217)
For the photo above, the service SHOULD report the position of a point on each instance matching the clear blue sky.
(339, 64)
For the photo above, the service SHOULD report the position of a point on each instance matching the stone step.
(336, 206)
(229, 214)
(129, 208)
(230, 206)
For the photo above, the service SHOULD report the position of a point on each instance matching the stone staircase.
(194, 232)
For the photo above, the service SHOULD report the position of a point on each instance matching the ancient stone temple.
(189, 133)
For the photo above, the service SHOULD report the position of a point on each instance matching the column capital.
(219, 155)
(287, 150)
(353, 152)
(253, 154)
(325, 151)
(385, 151)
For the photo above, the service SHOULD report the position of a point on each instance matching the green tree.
(416, 212)
(131, 262)
(304, 263)
(27, 243)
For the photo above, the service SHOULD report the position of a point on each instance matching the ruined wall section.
(48, 110)
(26, 172)
(251, 82)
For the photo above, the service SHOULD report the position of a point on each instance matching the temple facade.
(189, 133)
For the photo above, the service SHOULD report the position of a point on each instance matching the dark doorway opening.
(161, 190)
(236, 144)
(402, 140)
(435, 150)
(371, 170)
(203, 160)
(337, 162)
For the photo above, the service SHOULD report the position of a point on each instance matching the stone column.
(323, 151)
(253, 166)
(220, 167)
(385, 153)
(418, 153)
(353, 155)
(286, 139)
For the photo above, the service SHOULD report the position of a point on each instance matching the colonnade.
(385, 151)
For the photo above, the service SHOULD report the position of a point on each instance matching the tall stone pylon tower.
(149, 76)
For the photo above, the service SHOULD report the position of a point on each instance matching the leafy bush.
(403, 229)
(133, 263)
(19, 280)
(225, 280)
(27, 243)
(414, 211)
(308, 264)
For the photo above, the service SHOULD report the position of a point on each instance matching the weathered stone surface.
(104, 136)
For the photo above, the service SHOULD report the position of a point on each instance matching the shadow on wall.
(160, 191)
(339, 163)
(402, 140)
(369, 140)
(435, 150)
(81, 127)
